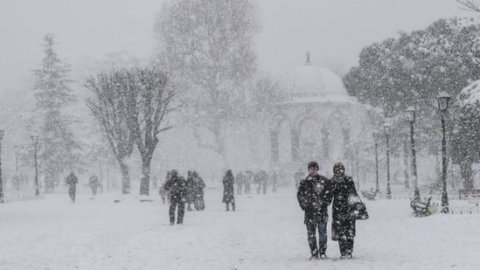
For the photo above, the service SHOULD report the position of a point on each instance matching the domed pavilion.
(317, 117)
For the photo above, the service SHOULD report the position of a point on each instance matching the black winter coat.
(314, 195)
(344, 194)
(176, 186)
(228, 194)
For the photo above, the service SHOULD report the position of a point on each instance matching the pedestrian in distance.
(198, 192)
(343, 223)
(190, 190)
(228, 190)
(240, 180)
(274, 182)
(176, 186)
(162, 191)
(314, 195)
(71, 181)
(249, 176)
(94, 183)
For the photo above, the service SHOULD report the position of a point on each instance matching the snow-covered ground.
(266, 232)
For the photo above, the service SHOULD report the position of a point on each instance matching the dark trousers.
(71, 193)
(345, 233)
(346, 245)
(180, 206)
(312, 227)
(228, 206)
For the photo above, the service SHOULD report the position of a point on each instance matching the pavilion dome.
(310, 80)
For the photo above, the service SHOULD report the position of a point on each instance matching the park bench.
(369, 194)
(469, 193)
(421, 208)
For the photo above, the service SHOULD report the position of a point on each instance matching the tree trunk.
(145, 181)
(125, 178)
(466, 172)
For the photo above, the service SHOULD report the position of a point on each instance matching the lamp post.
(411, 114)
(1, 180)
(443, 101)
(386, 130)
(376, 138)
(35, 149)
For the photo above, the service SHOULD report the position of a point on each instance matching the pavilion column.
(274, 146)
(295, 141)
(326, 143)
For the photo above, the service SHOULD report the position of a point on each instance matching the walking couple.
(315, 193)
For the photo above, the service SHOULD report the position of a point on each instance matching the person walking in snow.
(257, 180)
(162, 192)
(248, 181)
(93, 183)
(176, 186)
(314, 196)
(240, 180)
(190, 190)
(228, 190)
(274, 181)
(198, 193)
(71, 181)
(343, 223)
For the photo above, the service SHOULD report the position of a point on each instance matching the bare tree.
(148, 95)
(469, 5)
(208, 47)
(108, 107)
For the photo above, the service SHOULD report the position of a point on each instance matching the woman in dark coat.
(228, 193)
(343, 224)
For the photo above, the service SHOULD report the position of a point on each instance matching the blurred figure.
(190, 190)
(162, 192)
(93, 183)
(274, 181)
(240, 180)
(198, 193)
(71, 181)
(176, 186)
(248, 181)
(228, 191)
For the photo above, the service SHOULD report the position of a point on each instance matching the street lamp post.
(1, 180)
(35, 149)
(376, 137)
(443, 101)
(411, 113)
(386, 129)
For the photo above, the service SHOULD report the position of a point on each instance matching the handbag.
(359, 210)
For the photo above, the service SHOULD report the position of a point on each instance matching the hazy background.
(86, 30)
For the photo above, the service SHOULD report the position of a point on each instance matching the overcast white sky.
(333, 30)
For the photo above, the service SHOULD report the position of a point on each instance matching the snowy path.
(266, 232)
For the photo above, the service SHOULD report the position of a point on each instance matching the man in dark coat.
(314, 195)
(228, 192)
(190, 190)
(198, 193)
(176, 186)
(343, 224)
(71, 181)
